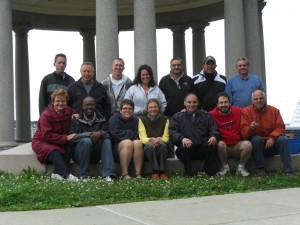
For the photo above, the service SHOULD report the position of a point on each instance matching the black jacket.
(198, 130)
(77, 93)
(174, 93)
(50, 83)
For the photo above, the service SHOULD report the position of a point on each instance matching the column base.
(7, 145)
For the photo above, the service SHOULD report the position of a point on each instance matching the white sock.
(226, 166)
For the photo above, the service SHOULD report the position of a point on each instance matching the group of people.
(205, 117)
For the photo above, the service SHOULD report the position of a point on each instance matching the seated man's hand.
(212, 141)
(187, 143)
(269, 143)
(95, 136)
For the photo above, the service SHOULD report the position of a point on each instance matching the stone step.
(22, 157)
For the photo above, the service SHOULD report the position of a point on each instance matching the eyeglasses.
(127, 108)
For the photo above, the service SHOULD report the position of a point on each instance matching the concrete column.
(179, 42)
(6, 76)
(22, 85)
(199, 50)
(261, 5)
(88, 38)
(107, 43)
(253, 41)
(235, 46)
(145, 35)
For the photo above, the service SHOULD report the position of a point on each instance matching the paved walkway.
(274, 207)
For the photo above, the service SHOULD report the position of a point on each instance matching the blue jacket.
(121, 129)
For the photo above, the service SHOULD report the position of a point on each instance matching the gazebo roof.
(80, 14)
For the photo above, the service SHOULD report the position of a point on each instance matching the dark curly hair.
(138, 80)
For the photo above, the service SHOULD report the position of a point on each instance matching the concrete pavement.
(276, 207)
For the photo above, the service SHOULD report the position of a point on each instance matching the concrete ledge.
(22, 157)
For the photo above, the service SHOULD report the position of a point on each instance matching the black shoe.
(261, 172)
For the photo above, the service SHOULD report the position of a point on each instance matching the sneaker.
(242, 171)
(224, 171)
(107, 179)
(290, 173)
(71, 177)
(56, 176)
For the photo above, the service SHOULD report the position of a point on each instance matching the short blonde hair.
(59, 92)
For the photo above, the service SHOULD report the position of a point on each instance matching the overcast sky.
(282, 49)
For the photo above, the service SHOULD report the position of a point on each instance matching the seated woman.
(50, 140)
(123, 128)
(144, 88)
(154, 134)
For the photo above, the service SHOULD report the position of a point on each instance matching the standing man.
(228, 120)
(262, 124)
(116, 84)
(195, 134)
(88, 86)
(175, 86)
(92, 141)
(240, 87)
(208, 83)
(53, 81)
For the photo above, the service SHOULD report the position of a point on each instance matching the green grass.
(35, 191)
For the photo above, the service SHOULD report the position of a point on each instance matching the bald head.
(258, 99)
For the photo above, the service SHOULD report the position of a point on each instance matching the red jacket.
(228, 125)
(270, 122)
(52, 132)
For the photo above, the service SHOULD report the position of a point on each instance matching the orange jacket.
(270, 122)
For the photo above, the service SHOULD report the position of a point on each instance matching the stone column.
(261, 5)
(253, 41)
(199, 50)
(22, 85)
(6, 76)
(234, 34)
(107, 43)
(88, 38)
(179, 42)
(145, 35)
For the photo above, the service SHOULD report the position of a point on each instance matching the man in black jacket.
(175, 86)
(195, 134)
(92, 141)
(87, 85)
(53, 81)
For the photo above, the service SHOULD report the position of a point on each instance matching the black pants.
(208, 153)
(60, 161)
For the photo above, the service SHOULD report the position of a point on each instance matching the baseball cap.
(209, 58)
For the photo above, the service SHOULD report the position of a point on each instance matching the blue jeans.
(280, 146)
(86, 152)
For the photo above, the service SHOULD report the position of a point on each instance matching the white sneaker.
(56, 176)
(107, 179)
(224, 171)
(242, 171)
(71, 177)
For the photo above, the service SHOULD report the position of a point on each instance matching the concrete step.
(22, 157)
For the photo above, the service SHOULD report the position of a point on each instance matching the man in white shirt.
(116, 84)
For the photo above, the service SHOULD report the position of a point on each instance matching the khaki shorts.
(234, 151)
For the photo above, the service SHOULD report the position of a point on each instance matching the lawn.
(31, 190)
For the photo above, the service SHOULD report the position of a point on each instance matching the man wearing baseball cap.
(208, 83)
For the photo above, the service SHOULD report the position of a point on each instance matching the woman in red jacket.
(51, 137)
